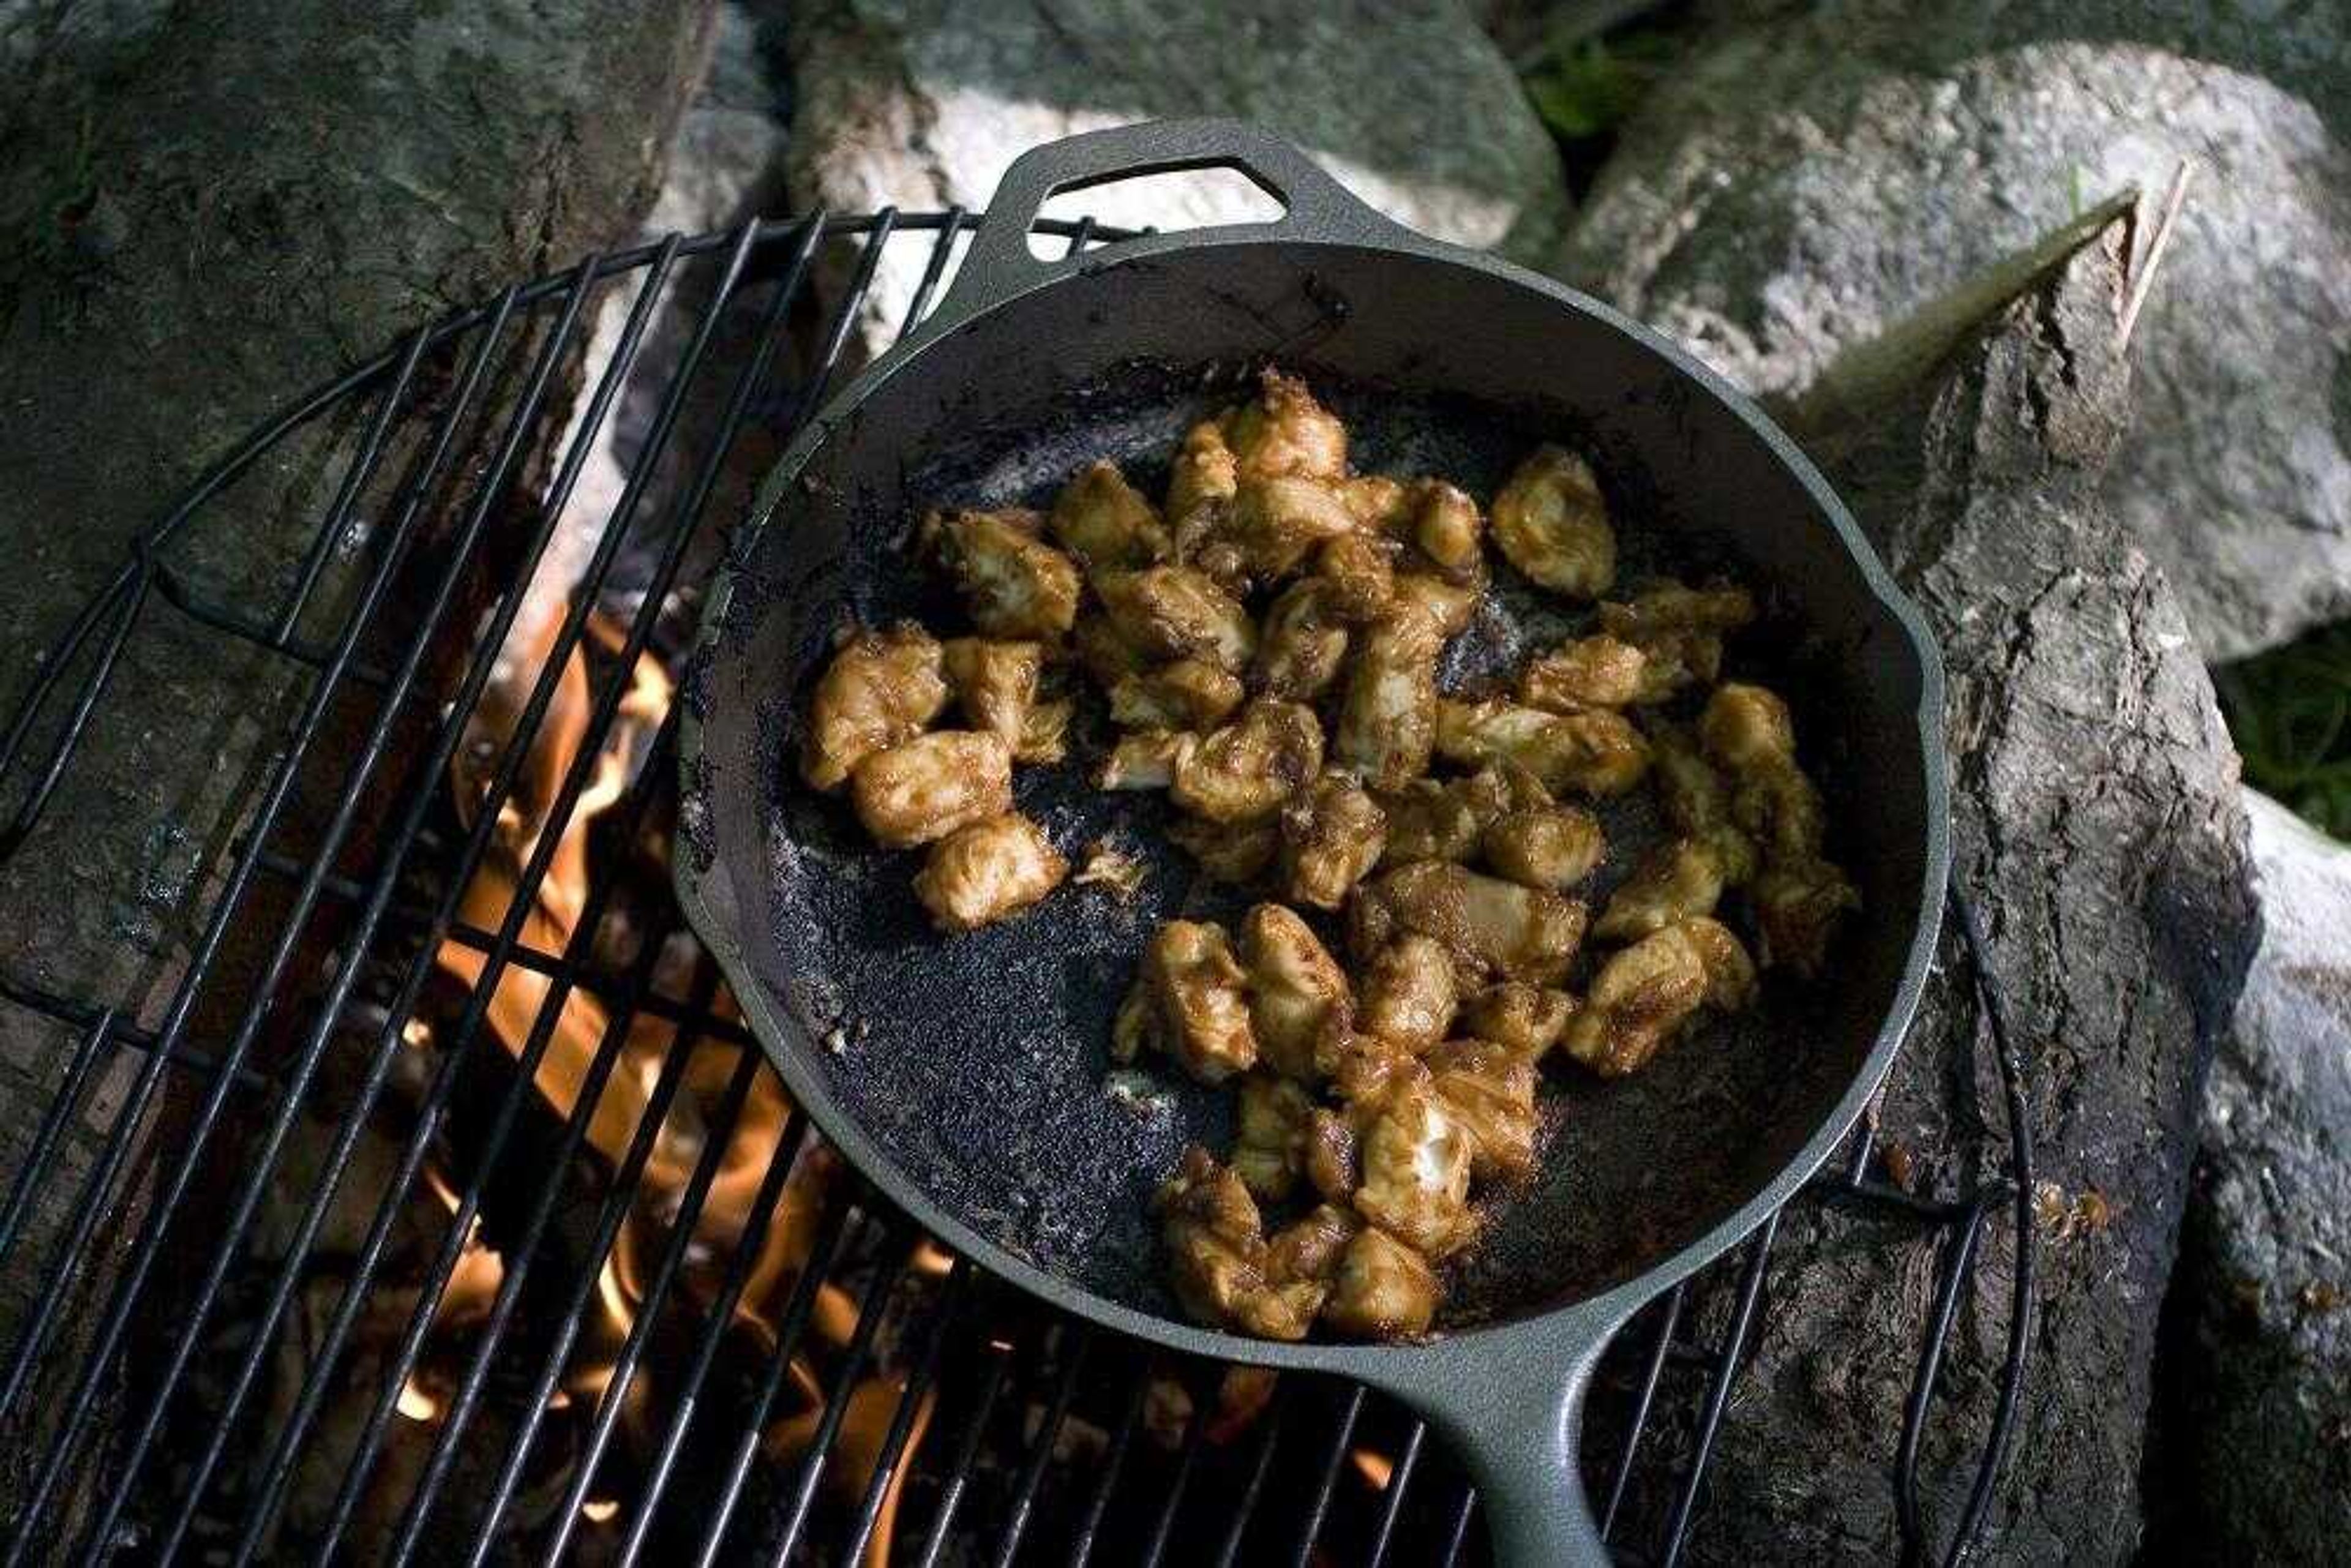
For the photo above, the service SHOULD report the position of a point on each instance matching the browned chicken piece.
(1178, 612)
(1447, 606)
(1217, 1255)
(1444, 525)
(1235, 853)
(1286, 432)
(1679, 631)
(1381, 505)
(1013, 584)
(1309, 1248)
(1799, 893)
(1417, 1172)
(1368, 1071)
(1245, 770)
(1300, 1003)
(1548, 846)
(1187, 693)
(1488, 924)
(988, 872)
(1387, 719)
(1270, 1122)
(1202, 480)
(1193, 1003)
(1526, 1018)
(995, 684)
(1275, 522)
(1746, 730)
(1334, 1158)
(1409, 992)
(1104, 651)
(932, 785)
(1107, 523)
(1677, 879)
(1646, 992)
(1144, 759)
(1598, 753)
(1595, 672)
(1797, 902)
(1551, 523)
(881, 689)
(1331, 836)
(1358, 574)
(1383, 1290)
(1429, 820)
(1491, 1089)
(1303, 645)
(1696, 800)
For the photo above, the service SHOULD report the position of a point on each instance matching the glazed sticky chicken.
(987, 871)
(881, 689)
(1273, 643)
(932, 785)
(1013, 584)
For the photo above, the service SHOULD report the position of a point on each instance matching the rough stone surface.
(923, 103)
(206, 210)
(2263, 1376)
(1813, 172)
(2098, 831)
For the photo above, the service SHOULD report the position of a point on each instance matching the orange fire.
(550, 924)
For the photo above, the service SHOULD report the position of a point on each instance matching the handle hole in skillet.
(1191, 199)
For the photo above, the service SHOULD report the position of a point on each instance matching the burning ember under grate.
(453, 1214)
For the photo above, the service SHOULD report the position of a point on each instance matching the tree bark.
(2098, 831)
(209, 209)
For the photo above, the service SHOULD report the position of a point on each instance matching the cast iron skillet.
(966, 1076)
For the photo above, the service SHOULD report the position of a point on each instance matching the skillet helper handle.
(1316, 206)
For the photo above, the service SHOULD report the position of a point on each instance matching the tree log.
(2098, 829)
(207, 211)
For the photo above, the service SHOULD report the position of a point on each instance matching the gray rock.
(2265, 1458)
(2097, 828)
(1805, 179)
(923, 103)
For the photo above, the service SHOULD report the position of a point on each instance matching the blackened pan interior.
(977, 1063)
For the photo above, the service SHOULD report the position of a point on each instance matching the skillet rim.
(1569, 1325)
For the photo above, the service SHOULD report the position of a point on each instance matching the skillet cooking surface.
(978, 1062)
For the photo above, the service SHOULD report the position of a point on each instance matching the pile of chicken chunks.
(1267, 640)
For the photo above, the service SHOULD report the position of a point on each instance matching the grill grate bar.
(1669, 1316)
(656, 1294)
(872, 1305)
(1343, 1434)
(1408, 1465)
(1721, 1376)
(685, 1398)
(1163, 1529)
(955, 1299)
(1082, 1549)
(62, 1105)
(966, 1452)
(832, 1241)
(1076, 1344)
(1269, 1426)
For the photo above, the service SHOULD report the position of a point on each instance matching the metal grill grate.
(968, 1423)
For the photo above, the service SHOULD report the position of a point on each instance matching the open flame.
(551, 925)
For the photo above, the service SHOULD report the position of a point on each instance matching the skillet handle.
(1515, 1415)
(999, 263)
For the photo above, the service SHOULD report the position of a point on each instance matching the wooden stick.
(2143, 272)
